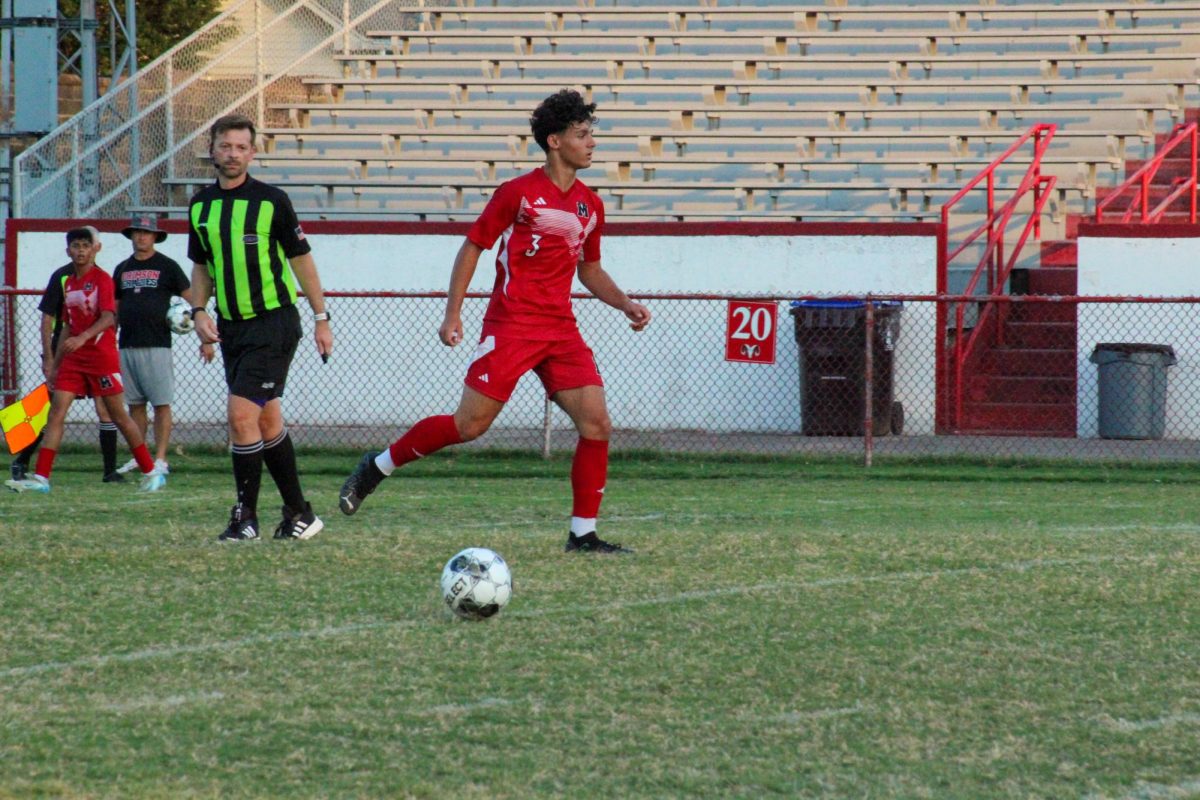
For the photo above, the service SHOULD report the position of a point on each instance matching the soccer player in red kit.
(87, 364)
(549, 225)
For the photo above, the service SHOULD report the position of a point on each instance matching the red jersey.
(546, 233)
(84, 299)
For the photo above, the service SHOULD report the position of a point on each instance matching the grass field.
(786, 628)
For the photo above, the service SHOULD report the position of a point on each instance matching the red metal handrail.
(1145, 176)
(992, 262)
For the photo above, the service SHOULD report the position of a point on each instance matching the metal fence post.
(869, 385)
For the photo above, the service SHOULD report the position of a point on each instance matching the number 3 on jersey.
(533, 247)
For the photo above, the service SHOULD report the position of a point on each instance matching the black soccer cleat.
(113, 477)
(362, 482)
(591, 543)
(302, 525)
(18, 471)
(242, 527)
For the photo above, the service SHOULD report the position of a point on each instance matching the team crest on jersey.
(581, 209)
(250, 238)
(299, 232)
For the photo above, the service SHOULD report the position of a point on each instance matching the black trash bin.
(1133, 389)
(831, 335)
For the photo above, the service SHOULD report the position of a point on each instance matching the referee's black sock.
(108, 446)
(280, 458)
(247, 475)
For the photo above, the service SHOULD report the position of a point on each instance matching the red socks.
(45, 462)
(589, 472)
(46, 456)
(427, 436)
(141, 454)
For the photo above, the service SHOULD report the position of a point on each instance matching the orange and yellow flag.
(24, 419)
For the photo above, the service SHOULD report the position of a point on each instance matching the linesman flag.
(24, 419)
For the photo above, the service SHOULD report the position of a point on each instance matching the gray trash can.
(1133, 389)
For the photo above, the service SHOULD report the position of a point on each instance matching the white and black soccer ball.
(476, 583)
(179, 317)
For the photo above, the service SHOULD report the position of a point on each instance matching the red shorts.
(500, 361)
(71, 378)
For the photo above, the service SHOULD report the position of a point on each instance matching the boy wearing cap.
(144, 284)
(86, 363)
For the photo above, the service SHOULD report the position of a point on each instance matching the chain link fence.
(1034, 376)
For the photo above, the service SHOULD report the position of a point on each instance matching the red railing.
(1144, 177)
(992, 263)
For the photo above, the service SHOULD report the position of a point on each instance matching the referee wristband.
(322, 317)
(196, 309)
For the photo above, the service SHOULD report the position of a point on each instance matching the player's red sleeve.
(500, 212)
(591, 247)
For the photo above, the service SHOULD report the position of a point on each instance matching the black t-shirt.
(144, 290)
(52, 300)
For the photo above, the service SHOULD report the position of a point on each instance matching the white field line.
(1137, 726)
(1178, 527)
(463, 708)
(225, 645)
(1156, 791)
(172, 701)
(524, 523)
(795, 717)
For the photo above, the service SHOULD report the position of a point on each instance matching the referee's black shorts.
(258, 352)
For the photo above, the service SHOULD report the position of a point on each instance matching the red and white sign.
(750, 331)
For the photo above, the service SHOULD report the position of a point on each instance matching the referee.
(243, 236)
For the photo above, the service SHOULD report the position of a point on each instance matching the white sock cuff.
(385, 463)
(582, 526)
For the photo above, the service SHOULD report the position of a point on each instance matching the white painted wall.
(671, 376)
(1141, 267)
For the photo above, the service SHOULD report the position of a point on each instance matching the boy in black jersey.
(145, 283)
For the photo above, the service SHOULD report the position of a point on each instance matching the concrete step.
(1060, 253)
(1049, 363)
(1062, 280)
(1028, 418)
(1043, 312)
(1039, 335)
(1021, 389)
(1169, 169)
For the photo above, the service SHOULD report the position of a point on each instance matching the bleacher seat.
(770, 109)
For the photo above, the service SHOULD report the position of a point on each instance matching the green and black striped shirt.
(245, 236)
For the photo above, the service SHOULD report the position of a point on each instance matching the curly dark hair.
(558, 112)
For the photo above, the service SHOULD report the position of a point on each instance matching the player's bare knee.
(472, 428)
(599, 428)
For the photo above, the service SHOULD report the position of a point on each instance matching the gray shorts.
(148, 375)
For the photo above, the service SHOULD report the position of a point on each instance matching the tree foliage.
(161, 24)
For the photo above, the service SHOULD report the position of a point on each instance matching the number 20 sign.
(750, 332)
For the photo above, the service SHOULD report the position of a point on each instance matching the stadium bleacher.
(796, 110)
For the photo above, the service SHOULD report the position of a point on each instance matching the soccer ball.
(179, 317)
(476, 583)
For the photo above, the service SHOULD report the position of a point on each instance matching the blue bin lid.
(834, 303)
